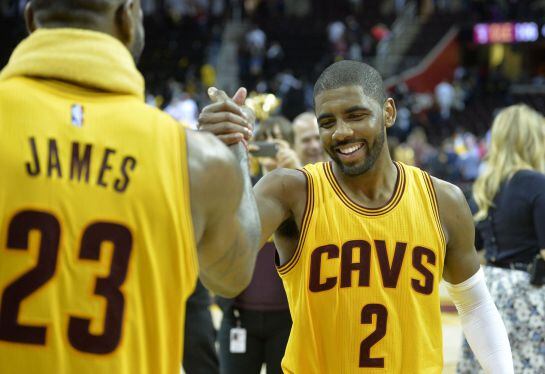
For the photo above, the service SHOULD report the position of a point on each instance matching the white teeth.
(347, 149)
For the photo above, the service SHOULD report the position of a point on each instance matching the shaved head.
(351, 73)
(121, 19)
(78, 12)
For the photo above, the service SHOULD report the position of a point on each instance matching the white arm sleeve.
(482, 324)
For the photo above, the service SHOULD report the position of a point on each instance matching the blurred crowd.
(186, 40)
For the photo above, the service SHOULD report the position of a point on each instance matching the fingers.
(210, 118)
(217, 95)
(230, 139)
(224, 128)
(287, 158)
(225, 118)
(282, 144)
(224, 106)
(240, 96)
(252, 147)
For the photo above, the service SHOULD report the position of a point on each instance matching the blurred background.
(449, 64)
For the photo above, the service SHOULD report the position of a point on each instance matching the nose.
(315, 145)
(342, 131)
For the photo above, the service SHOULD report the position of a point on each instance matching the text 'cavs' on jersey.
(363, 283)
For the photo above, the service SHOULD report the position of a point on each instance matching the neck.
(374, 187)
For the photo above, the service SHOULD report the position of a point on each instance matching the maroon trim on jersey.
(435, 207)
(399, 189)
(309, 207)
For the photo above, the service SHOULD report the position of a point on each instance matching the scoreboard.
(507, 32)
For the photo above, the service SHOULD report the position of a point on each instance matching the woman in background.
(510, 196)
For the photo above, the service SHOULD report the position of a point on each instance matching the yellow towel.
(82, 57)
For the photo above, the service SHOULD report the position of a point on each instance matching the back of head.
(517, 143)
(305, 119)
(71, 13)
(352, 73)
(121, 19)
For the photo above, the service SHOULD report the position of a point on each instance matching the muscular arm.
(279, 195)
(481, 322)
(225, 217)
(462, 260)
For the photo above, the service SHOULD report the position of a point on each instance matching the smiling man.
(363, 243)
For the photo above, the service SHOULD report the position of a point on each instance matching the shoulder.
(448, 194)
(454, 211)
(530, 178)
(287, 187)
(285, 179)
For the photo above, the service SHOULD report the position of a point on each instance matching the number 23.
(94, 235)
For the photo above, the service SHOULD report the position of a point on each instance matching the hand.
(226, 118)
(286, 157)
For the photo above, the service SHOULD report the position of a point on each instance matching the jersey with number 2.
(362, 285)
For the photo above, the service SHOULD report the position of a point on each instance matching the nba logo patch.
(77, 115)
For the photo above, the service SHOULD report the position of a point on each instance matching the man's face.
(352, 128)
(307, 141)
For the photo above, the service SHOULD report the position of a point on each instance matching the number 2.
(366, 361)
(78, 328)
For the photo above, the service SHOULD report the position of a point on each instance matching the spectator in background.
(336, 35)
(278, 129)
(510, 198)
(256, 41)
(444, 96)
(182, 107)
(262, 309)
(307, 139)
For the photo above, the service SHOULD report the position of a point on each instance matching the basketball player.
(364, 241)
(104, 200)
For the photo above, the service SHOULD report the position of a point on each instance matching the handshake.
(232, 122)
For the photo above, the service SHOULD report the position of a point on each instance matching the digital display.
(506, 32)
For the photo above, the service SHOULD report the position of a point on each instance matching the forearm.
(249, 228)
(482, 324)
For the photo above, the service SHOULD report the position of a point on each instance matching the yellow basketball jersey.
(97, 253)
(363, 283)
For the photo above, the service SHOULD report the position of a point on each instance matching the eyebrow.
(352, 109)
(357, 108)
(324, 116)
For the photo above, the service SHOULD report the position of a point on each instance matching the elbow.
(229, 286)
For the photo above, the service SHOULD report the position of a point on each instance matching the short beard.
(367, 163)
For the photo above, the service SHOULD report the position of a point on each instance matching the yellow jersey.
(97, 253)
(363, 283)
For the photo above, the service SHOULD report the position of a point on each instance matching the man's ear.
(29, 18)
(125, 22)
(390, 112)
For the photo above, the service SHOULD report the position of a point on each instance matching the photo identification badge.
(238, 340)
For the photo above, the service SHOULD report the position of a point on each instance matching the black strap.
(491, 246)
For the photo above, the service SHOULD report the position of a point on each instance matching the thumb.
(217, 95)
(240, 96)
